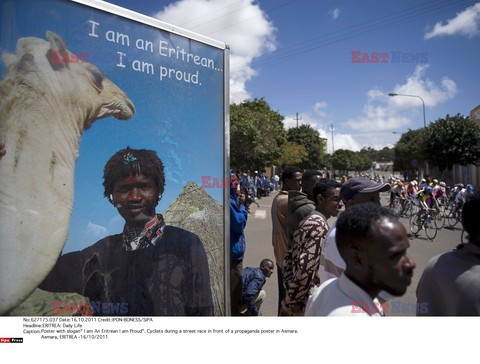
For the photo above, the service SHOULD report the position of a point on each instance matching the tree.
(342, 160)
(385, 154)
(292, 154)
(408, 151)
(310, 138)
(256, 134)
(453, 140)
(346, 160)
(361, 162)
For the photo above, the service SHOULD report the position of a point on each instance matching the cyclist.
(439, 193)
(426, 201)
(412, 189)
(455, 190)
(394, 193)
(461, 197)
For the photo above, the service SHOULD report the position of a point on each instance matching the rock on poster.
(109, 119)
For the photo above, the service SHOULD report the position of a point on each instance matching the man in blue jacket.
(253, 280)
(238, 221)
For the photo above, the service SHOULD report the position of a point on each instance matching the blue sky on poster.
(298, 55)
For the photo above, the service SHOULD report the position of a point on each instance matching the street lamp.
(424, 122)
(423, 102)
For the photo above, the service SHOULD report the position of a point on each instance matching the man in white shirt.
(373, 243)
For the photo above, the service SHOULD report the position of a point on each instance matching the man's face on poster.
(135, 198)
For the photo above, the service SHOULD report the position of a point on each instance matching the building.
(325, 145)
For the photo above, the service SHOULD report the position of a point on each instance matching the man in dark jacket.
(253, 280)
(150, 269)
(238, 222)
(300, 204)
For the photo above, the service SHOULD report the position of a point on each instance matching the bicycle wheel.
(430, 227)
(397, 208)
(464, 237)
(415, 226)
(440, 218)
(453, 218)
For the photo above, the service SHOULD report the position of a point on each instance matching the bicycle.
(397, 206)
(439, 216)
(454, 216)
(426, 221)
(409, 208)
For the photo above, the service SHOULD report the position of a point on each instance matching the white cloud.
(340, 141)
(240, 24)
(378, 118)
(319, 109)
(96, 230)
(465, 23)
(425, 88)
(386, 113)
(334, 13)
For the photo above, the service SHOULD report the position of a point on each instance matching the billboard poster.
(109, 121)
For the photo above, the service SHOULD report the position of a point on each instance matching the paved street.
(259, 245)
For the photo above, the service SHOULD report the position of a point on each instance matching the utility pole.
(333, 146)
(297, 118)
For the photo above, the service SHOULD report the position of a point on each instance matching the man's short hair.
(310, 174)
(323, 186)
(355, 228)
(470, 213)
(264, 262)
(289, 172)
(130, 162)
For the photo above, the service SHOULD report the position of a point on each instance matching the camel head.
(104, 97)
(67, 82)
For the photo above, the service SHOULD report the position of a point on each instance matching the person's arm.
(66, 275)
(238, 217)
(199, 301)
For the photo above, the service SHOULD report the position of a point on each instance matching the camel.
(44, 108)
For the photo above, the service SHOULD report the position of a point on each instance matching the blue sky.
(298, 56)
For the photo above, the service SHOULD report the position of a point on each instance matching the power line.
(253, 17)
(349, 33)
(213, 12)
(356, 30)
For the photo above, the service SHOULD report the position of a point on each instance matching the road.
(258, 235)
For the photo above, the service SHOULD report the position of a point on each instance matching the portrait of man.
(151, 268)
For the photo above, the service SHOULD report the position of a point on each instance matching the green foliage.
(407, 149)
(292, 154)
(256, 135)
(382, 155)
(452, 140)
(347, 160)
(308, 137)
